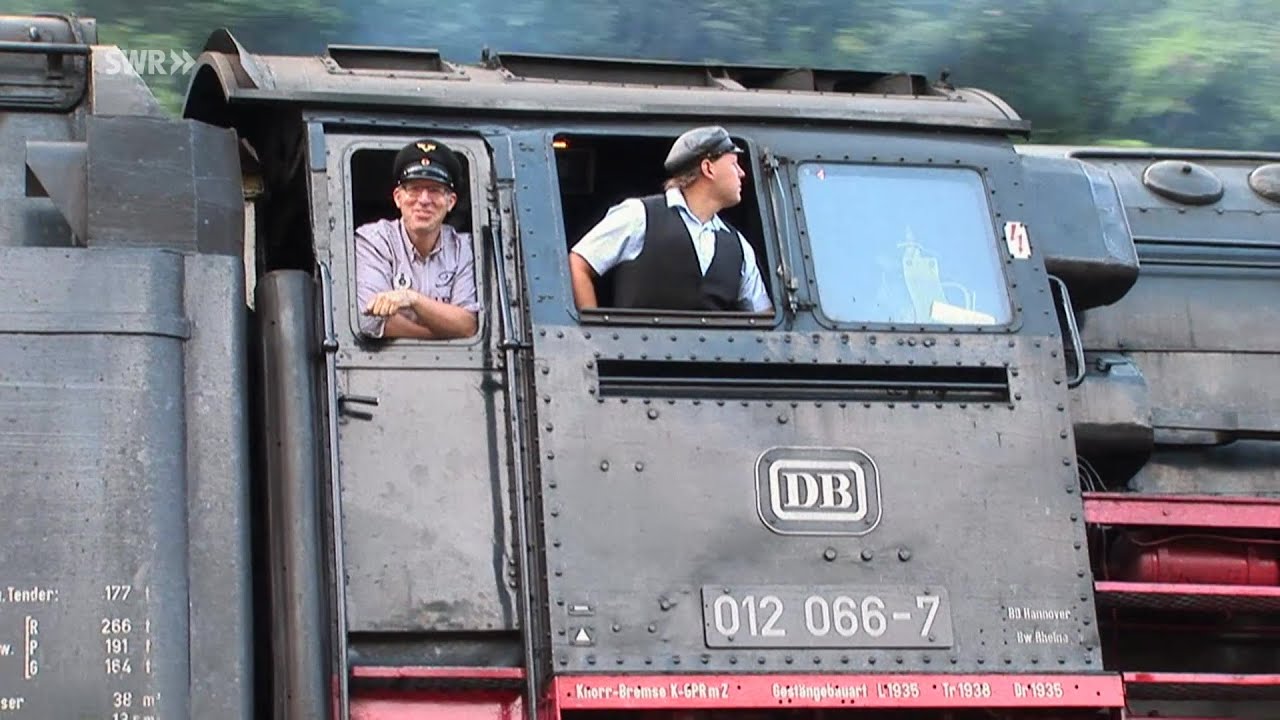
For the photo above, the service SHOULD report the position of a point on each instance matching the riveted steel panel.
(115, 430)
(650, 491)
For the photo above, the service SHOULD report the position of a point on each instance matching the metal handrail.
(330, 347)
(510, 343)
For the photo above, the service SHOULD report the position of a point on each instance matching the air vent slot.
(772, 381)
(388, 59)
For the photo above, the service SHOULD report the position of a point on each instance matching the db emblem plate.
(817, 491)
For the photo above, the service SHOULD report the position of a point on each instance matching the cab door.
(421, 440)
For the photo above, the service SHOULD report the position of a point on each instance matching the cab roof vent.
(569, 68)
(387, 59)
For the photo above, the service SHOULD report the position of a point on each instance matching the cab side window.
(415, 275)
(611, 185)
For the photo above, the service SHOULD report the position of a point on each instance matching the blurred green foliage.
(1162, 72)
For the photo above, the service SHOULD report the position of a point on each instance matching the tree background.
(1163, 72)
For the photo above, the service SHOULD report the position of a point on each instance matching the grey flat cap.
(696, 144)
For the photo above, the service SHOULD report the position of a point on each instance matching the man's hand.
(386, 304)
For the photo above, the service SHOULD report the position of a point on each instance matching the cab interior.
(597, 172)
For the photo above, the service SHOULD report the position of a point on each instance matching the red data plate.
(636, 692)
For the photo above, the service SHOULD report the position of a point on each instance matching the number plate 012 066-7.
(832, 616)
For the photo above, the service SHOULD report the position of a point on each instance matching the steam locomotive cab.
(865, 496)
(965, 463)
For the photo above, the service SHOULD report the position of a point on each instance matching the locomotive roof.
(403, 79)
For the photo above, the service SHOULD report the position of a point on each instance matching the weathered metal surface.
(293, 470)
(188, 198)
(426, 495)
(126, 566)
(323, 82)
(43, 62)
(624, 479)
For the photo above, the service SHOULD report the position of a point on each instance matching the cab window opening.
(597, 172)
(384, 260)
(922, 251)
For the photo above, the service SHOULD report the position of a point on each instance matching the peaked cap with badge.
(427, 160)
(695, 144)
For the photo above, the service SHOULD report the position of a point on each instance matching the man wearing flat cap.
(672, 251)
(415, 275)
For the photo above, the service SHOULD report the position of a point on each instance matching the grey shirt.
(386, 260)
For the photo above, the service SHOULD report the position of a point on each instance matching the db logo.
(818, 491)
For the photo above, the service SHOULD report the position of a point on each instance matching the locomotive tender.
(1003, 446)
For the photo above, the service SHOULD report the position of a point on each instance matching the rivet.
(782, 419)
(829, 554)
(604, 466)
(653, 629)
(904, 554)
(639, 467)
(867, 555)
(653, 413)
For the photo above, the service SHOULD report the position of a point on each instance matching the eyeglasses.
(431, 191)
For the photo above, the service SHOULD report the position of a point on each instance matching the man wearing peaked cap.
(672, 251)
(712, 141)
(426, 160)
(415, 275)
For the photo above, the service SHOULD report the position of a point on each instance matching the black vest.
(666, 274)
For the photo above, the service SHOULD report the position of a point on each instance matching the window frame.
(344, 232)
(636, 317)
(1001, 255)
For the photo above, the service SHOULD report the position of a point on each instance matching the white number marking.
(730, 627)
(932, 602)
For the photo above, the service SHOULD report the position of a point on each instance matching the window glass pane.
(903, 245)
